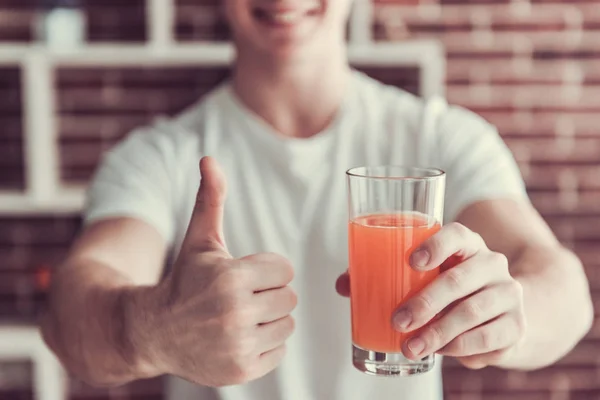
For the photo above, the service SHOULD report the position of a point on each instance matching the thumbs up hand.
(216, 320)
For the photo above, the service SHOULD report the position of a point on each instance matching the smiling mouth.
(283, 17)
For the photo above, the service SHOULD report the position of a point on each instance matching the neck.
(298, 98)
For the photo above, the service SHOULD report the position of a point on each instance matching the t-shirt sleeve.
(478, 164)
(134, 180)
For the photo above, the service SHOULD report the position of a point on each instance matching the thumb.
(205, 231)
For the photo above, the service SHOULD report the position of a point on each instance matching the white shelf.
(25, 343)
(160, 18)
(44, 191)
(66, 201)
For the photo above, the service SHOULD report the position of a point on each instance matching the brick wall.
(530, 67)
(533, 69)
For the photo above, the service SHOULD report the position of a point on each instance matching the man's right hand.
(215, 320)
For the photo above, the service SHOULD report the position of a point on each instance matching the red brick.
(15, 282)
(553, 176)
(37, 230)
(116, 21)
(523, 70)
(559, 150)
(555, 378)
(11, 153)
(18, 257)
(16, 23)
(573, 203)
(585, 354)
(541, 395)
(501, 17)
(11, 127)
(514, 122)
(107, 127)
(584, 228)
(197, 21)
(528, 97)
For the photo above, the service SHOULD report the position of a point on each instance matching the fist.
(217, 320)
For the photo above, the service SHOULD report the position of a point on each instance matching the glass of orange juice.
(393, 210)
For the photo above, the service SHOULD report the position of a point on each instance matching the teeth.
(286, 17)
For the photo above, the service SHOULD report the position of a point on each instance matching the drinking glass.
(393, 210)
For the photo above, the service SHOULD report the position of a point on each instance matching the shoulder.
(388, 99)
(424, 114)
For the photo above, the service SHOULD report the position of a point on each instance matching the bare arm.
(556, 296)
(510, 295)
(213, 320)
(86, 323)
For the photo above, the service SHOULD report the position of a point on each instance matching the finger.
(452, 240)
(275, 304)
(484, 360)
(265, 363)
(274, 334)
(500, 333)
(452, 285)
(463, 317)
(267, 271)
(342, 285)
(269, 360)
(205, 230)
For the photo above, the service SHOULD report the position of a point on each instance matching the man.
(281, 136)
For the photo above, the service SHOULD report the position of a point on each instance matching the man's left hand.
(478, 304)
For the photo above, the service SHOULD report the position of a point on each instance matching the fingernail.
(420, 258)
(416, 346)
(402, 320)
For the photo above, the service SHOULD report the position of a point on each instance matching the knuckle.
(279, 259)
(422, 305)
(277, 262)
(286, 265)
(466, 234)
(455, 278)
(499, 260)
(473, 310)
(487, 338)
(458, 345)
(516, 289)
(477, 238)
(521, 325)
(435, 336)
(460, 230)
(434, 245)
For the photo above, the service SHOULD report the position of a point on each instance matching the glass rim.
(429, 173)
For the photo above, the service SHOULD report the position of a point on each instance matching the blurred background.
(76, 76)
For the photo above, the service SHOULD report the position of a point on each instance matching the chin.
(280, 49)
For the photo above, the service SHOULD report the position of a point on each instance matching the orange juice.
(381, 277)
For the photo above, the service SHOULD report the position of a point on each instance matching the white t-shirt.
(289, 196)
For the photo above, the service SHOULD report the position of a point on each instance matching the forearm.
(86, 324)
(557, 305)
